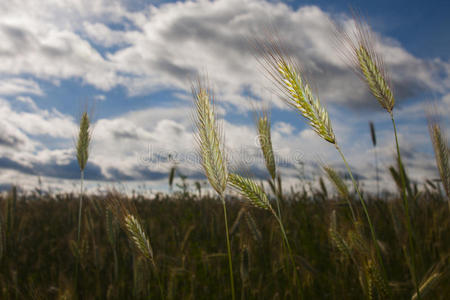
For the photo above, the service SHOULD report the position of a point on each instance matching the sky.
(131, 62)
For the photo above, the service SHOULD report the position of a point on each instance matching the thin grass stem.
(291, 257)
(407, 211)
(80, 206)
(366, 212)
(230, 265)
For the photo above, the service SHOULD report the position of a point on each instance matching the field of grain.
(38, 249)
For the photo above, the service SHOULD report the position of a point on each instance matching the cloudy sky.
(133, 61)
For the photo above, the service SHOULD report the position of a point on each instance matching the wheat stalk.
(125, 214)
(366, 62)
(374, 143)
(257, 197)
(428, 285)
(340, 186)
(211, 150)
(297, 93)
(82, 153)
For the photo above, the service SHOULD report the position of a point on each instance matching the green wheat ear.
(441, 151)
(294, 88)
(375, 77)
(340, 186)
(301, 97)
(138, 236)
(265, 141)
(210, 139)
(359, 52)
(337, 181)
(250, 190)
(84, 139)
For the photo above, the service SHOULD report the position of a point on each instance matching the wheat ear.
(138, 236)
(211, 150)
(250, 190)
(441, 152)
(257, 197)
(359, 52)
(265, 141)
(83, 141)
(340, 186)
(296, 92)
(375, 77)
(210, 139)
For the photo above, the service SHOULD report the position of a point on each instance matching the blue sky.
(132, 61)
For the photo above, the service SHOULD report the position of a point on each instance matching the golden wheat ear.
(209, 138)
(293, 87)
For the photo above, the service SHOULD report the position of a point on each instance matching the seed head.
(84, 139)
(209, 139)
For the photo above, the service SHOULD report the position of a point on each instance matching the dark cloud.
(117, 175)
(19, 37)
(6, 163)
(4, 187)
(10, 141)
(69, 171)
(125, 134)
(179, 72)
(66, 171)
(147, 174)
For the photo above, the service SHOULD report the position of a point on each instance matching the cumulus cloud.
(163, 47)
(109, 44)
(14, 86)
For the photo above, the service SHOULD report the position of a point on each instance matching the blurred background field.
(38, 234)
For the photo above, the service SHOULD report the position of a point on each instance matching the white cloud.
(100, 97)
(165, 47)
(15, 86)
(42, 122)
(106, 45)
(28, 101)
